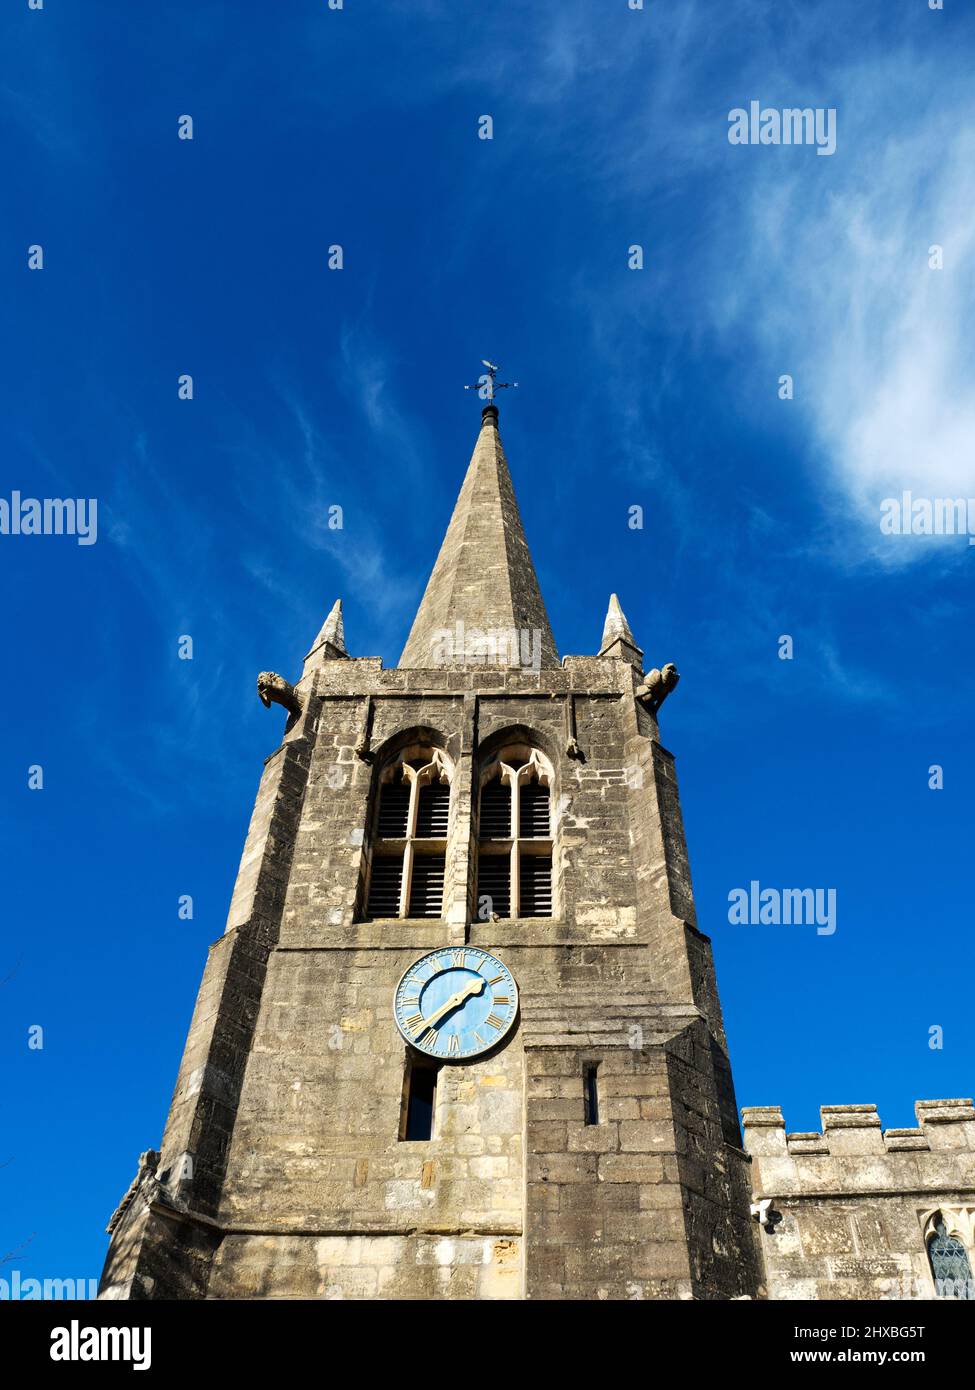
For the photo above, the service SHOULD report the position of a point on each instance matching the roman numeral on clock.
(441, 1025)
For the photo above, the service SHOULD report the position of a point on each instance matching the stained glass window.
(949, 1264)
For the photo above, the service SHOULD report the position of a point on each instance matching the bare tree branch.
(12, 1254)
(8, 977)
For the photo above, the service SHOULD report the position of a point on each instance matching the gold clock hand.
(428, 1023)
(473, 987)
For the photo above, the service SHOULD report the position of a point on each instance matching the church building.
(461, 1038)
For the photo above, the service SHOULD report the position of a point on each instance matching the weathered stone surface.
(852, 1207)
(484, 578)
(282, 1173)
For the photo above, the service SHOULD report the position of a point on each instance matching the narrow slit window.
(591, 1092)
(421, 1097)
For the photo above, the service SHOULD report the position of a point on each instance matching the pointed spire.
(615, 627)
(618, 641)
(332, 636)
(482, 603)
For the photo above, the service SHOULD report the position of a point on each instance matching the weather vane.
(486, 384)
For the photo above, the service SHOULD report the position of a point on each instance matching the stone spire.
(331, 637)
(482, 604)
(618, 641)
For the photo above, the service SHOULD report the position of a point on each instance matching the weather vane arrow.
(487, 383)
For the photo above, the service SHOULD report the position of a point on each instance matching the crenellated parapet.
(856, 1131)
(849, 1211)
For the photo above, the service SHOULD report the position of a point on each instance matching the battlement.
(847, 1212)
(855, 1131)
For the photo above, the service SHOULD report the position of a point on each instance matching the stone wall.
(651, 1202)
(317, 1150)
(285, 1126)
(850, 1208)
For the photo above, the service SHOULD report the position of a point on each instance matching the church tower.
(461, 1037)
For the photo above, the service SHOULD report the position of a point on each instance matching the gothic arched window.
(409, 841)
(950, 1264)
(515, 836)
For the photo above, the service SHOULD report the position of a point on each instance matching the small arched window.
(515, 837)
(950, 1264)
(409, 841)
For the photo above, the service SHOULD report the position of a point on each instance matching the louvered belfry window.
(533, 812)
(535, 885)
(409, 846)
(434, 805)
(514, 838)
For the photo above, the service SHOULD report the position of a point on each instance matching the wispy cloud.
(834, 284)
(808, 266)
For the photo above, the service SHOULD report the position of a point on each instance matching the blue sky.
(313, 388)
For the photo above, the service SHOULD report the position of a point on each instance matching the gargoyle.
(656, 686)
(272, 687)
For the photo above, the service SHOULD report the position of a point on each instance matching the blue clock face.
(456, 1003)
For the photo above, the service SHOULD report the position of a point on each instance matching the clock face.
(456, 1003)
